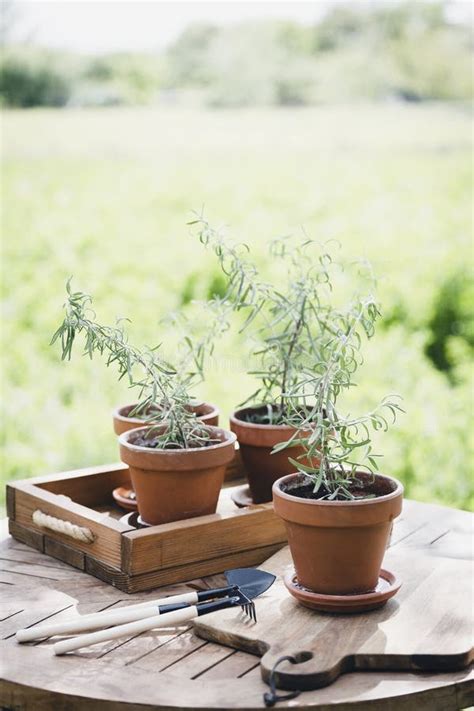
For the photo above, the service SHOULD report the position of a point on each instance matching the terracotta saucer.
(387, 587)
(125, 498)
(134, 519)
(242, 497)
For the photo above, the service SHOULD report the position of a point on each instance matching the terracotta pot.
(256, 443)
(123, 423)
(338, 546)
(175, 484)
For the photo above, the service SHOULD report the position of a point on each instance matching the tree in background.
(121, 78)
(188, 57)
(33, 79)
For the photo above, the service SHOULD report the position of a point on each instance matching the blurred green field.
(104, 195)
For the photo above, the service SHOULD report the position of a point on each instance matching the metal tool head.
(235, 599)
(247, 605)
(252, 582)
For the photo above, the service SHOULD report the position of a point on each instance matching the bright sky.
(89, 26)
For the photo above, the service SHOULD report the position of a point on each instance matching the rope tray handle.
(58, 525)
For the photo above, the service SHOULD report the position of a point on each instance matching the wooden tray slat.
(66, 553)
(106, 472)
(91, 487)
(25, 535)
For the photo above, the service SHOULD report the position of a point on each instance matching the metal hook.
(271, 697)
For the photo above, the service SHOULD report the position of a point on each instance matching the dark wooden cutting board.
(426, 626)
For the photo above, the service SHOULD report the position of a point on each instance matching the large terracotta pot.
(338, 546)
(209, 414)
(175, 484)
(256, 443)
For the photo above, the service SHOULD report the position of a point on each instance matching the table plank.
(234, 666)
(171, 652)
(195, 663)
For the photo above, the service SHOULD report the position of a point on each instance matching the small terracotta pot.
(209, 414)
(338, 546)
(175, 484)
(256, 443)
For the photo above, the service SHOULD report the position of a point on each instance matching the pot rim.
(117, 412)
(255, 426)
(398, 490)
(230, 438)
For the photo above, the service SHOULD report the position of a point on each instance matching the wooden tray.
(427, 626)
(131, 559)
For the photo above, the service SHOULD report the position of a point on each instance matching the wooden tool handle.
(98, 620)
(133, 628)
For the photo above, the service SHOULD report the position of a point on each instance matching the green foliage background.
(105, 195)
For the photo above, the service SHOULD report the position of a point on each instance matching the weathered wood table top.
(174, 669)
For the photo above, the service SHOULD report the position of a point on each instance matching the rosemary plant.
(163, 390)
(308, 351)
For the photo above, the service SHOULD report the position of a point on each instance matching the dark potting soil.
(261, 416)
(365, 486)
(154, 443)
(149, 411)
(271, 415)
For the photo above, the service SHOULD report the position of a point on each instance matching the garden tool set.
(244, 584)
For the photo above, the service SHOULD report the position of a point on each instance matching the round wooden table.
(174, 669)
